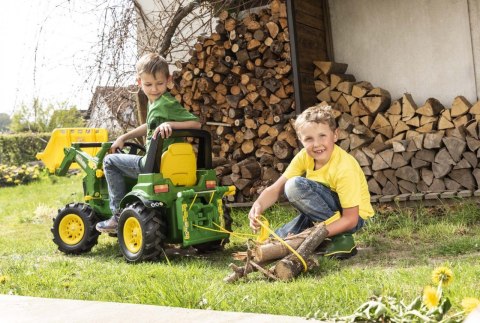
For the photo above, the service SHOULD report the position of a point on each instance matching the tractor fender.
(133, 197)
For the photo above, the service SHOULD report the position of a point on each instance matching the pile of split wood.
(239, 81)
(401, 147)
(284, 265)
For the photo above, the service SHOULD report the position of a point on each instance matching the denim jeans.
(115, 167)
(316, 203)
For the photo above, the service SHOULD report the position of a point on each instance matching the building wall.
(474, 11)
(423, 47)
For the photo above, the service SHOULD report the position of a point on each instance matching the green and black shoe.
(341, 246)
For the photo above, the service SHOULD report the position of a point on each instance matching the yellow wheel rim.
(132, 235)
(71, 229)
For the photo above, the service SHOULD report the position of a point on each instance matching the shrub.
(13, 175)
(18, 149)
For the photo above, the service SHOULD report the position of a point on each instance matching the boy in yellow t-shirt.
(323, 182)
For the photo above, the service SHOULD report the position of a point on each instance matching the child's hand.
(253, 215)
(117, 144)
(165, 130)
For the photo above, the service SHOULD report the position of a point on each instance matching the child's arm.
(266, 199)
(135, 133)
(346, 222)
(165, 129)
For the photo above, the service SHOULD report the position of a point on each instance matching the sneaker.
(108, 226)
(342, 247)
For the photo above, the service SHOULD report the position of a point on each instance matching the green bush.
(18, 149)
(13, 175)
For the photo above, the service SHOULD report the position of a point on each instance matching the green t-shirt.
(165, 108)
(342, 174)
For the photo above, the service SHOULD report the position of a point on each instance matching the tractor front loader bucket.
(61, 138)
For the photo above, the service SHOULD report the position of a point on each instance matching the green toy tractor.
(176, 200)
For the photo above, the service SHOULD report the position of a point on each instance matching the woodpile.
(239, 81)
(402, 147)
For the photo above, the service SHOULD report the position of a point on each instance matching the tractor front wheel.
(74, 228)
(141, 233)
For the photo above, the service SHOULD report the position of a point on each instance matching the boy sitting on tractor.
(164, 114)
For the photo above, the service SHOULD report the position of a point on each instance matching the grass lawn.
(399, 250)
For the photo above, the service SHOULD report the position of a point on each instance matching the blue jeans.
(116, 167)
(316, 203)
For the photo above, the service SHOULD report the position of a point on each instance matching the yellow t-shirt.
(342, 174)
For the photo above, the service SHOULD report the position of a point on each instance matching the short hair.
(320, 113)
(152, 63)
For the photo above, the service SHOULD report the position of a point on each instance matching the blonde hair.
(152, 63)
(320, 113)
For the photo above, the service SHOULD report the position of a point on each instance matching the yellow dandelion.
(4, 279)
(442, 275)
(470, 303)
(430, 297)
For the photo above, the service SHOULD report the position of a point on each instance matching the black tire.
(74, 229)
(217, 245)
(141, 232)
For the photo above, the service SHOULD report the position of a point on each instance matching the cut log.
(460, 106)
(290, 266)
(282, 149)
(463, 177)
(408, 173)
(455, 146)
(359, 90)
(328, 68)
(433, 140)
(431, 108)
(376, 104)
(408, 107)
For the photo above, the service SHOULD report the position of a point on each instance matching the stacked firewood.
(401, 147)
(239, 82)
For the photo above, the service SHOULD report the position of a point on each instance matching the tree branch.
(181, 13)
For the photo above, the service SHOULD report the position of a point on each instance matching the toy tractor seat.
(179, 164)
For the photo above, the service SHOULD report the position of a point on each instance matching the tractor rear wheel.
(141, 232)
(74, 228)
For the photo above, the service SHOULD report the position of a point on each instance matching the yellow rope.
(223, 230)
(193, 201)
(263, 231)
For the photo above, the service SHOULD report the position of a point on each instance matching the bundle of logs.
(284, 265)
(401, 147)
(239, 82)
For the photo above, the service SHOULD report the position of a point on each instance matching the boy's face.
(153, 85)
(318, 140)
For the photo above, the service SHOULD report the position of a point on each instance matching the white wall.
(419, 46)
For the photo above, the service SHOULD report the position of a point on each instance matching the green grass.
(399, 250)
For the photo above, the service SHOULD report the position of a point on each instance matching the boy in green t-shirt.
(164, 114)
(323, 182)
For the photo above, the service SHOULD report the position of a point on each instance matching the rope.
(264, 233)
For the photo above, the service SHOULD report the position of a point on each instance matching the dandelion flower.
(442, 275)
(469, 304)
(4, 279)
(430, 297)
